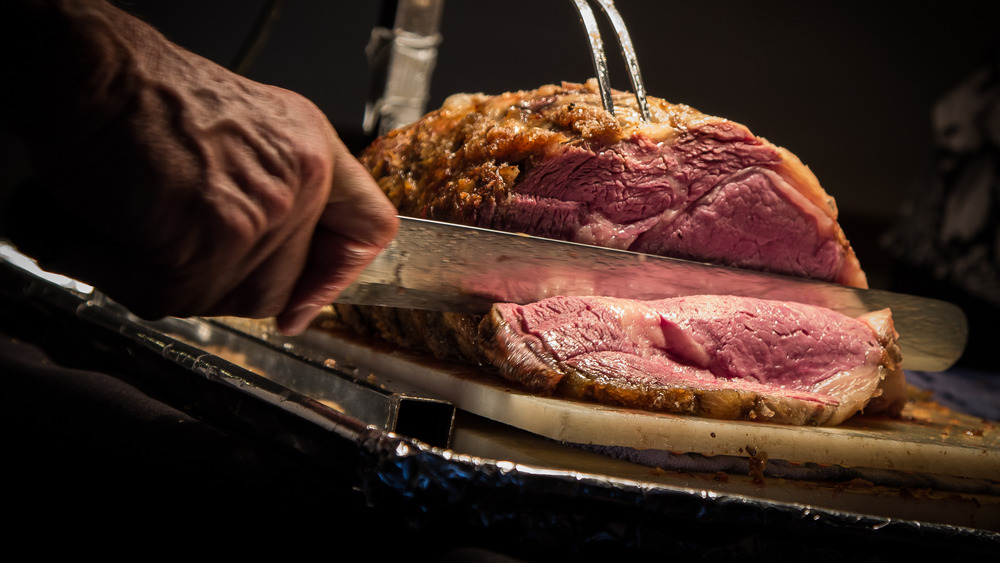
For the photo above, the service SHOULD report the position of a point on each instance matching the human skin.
(173, 185)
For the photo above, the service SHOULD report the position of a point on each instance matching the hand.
(184, 189)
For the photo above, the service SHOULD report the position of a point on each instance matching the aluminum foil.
(537, 510)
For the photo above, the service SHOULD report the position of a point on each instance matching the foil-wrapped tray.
(439, 467)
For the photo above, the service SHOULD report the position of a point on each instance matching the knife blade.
(448, 267)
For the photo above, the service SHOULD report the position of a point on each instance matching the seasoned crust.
(446, 336)
(465, 156)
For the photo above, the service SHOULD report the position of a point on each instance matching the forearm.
(201, 191)
(75, 63)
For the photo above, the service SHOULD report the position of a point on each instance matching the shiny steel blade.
(441, 266)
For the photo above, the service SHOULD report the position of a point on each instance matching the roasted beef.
(552, 162)
(715, 356)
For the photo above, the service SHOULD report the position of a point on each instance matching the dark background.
(847, 86)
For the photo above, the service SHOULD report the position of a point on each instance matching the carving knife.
(448, 267)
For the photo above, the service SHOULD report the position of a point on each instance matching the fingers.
(357, 223)
(358, 207)
(297, 278)
(335, 262)
(206, 193)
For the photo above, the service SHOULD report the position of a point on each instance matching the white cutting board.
(927, 439)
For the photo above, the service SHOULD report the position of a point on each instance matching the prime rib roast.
(553, 162)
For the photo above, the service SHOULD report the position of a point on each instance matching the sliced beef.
(715, 356)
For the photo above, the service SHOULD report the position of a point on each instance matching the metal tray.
(441, 468)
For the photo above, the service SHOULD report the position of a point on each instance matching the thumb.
(357, 223)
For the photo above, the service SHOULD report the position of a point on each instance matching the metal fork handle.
(600, 61)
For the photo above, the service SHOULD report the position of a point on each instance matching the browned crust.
(446, 336)
(723, 404)
(892, 396)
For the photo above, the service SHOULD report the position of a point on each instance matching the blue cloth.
(971, 391)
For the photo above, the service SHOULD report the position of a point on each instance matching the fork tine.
(600, 61)
(628, 52)
(597, 53)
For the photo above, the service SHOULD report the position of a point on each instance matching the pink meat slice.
(714, 356)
